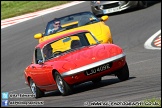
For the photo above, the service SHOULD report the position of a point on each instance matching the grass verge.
(15, 8)
(154, 102)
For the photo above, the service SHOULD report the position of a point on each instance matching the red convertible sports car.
(73, 58)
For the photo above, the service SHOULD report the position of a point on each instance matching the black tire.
(63, 87)
(123, 73)
(142, 4)
(97, 80)
(35, 90)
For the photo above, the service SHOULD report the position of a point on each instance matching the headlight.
(94, 2)
(101, 7)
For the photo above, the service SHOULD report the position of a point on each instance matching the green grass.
(151, 103)
(15, 8)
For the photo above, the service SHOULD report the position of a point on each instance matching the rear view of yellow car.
(78, 21)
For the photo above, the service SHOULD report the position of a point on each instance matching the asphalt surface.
(130, 29)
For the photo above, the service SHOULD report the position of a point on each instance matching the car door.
(39, 70)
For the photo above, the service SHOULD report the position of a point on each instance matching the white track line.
(22, 18)
(148, 45)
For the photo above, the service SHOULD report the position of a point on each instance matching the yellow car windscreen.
(69, 43)
(63, 45)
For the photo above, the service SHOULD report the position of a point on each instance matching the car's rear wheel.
(97, 80)
(63, 87)
(123, 73)
(35, 90)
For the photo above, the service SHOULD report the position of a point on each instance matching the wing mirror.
(38, 35)
(104, 18)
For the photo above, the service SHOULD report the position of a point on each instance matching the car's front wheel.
(123, 73)
(63, 87)
(35, 90)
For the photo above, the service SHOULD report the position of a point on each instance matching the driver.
(56, 26)
(47, 51)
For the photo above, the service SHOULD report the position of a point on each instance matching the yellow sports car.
(78, 21)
